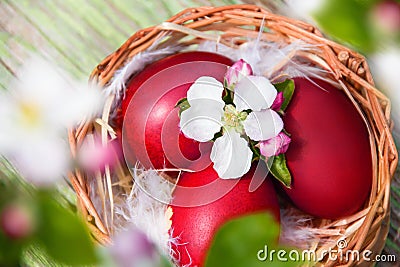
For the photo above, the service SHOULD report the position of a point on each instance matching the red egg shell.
(195, 225)
(150, 129)
(330, 153)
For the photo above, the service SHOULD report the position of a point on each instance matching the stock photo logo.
(340, 253)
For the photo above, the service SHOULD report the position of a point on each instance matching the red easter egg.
(330, 154)
(150, 131)
(202, 202)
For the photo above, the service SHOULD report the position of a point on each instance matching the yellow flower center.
(30, 114)
(233, 119)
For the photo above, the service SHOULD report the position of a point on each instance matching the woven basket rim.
(349, 68)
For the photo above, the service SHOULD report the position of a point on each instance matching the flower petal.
(231, 155)
(275, 146)
(202, 120)
(59, 100)
(205, 87)
(8, 118)
(255, 93)
(86, 102)
(263, 125)
(43, 160)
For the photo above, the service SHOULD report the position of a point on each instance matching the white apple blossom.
(249, 117)
(35, 113)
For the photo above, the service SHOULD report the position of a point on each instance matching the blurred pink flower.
(16, 221)
(94, 155)
(132, 248)
(387, 15)
(275, 146)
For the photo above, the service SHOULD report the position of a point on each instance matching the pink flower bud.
(275, 146)
(16, 221)
(238, 70)
(278, 102)
(387, 15)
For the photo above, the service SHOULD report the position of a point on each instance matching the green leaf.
(227, 96)
(10, 251)
(63, 234)
(164, 262)
(255, 150)
(217, 135)
(35, 255)
(348, 21)
(241, 241)
(183, 105)
(287, 88)
(280, 170)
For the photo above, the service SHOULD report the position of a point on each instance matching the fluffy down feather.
(146, 207)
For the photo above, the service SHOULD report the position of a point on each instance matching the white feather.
(146, 208)
(136, 64)
(122, 76)
(297, 229)
(272, 59)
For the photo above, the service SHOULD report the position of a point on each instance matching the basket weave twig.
(232, 25)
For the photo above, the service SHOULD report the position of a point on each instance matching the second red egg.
(330, 153)
(203, 202)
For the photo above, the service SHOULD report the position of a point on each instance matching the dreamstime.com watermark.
(340, 254)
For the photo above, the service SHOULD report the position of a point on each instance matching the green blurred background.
(78, 34)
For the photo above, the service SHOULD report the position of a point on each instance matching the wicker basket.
(368, 228)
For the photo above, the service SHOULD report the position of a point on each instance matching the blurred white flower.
(385, 67)
(304, 9)
(35, 114)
